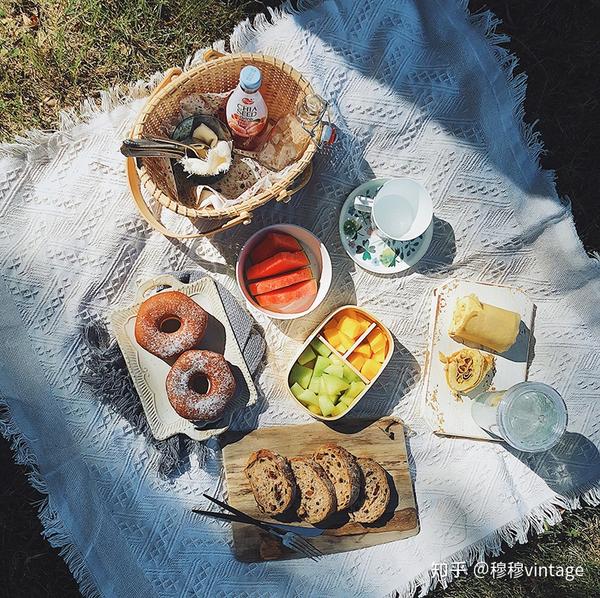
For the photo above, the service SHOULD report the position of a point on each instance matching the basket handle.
(133, 180)
(212, 55)
(134, 183)
(299, 183)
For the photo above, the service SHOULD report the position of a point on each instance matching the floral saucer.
(367, 248)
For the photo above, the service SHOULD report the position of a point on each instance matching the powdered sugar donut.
(192, 371)
(169, 323)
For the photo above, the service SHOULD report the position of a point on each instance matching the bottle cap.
(250, 78)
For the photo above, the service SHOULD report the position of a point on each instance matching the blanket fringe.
(54, 529)
(487, 23)
(516, 532)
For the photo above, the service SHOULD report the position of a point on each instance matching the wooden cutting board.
(382, 440)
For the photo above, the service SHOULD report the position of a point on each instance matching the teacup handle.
(362, 203)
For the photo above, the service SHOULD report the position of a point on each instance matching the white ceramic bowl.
(420, 199)
(317, 253)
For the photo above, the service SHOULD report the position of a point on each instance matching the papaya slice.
(273, 243)
(293, 299)
(284, 261)
(279, 282)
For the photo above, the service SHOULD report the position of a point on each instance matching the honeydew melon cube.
(300, 375)
(296, 389)
(333, 385)
(306, 356)
(308, 397)
(349, 375)
(326, 405)
(377, 340)
(357, 360)
(370, 368)
(321, 364)
(315, 409)
(337, 360)
(355, 389)
(320, 347)
(336, 370)
(339, 409)
(363, 349)
(350, 327)
(379, 356)
(315, 384)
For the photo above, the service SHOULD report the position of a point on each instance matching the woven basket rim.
(277, 190)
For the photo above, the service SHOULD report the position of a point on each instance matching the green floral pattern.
(362, 241)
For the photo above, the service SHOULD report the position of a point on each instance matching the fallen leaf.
(30, 21)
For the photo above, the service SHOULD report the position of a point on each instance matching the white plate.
(367, 248)
(446, 413)
(149, 373)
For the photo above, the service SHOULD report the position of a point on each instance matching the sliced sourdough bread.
(375, 493)
(317, 494)
(343, 472)
(271, 480)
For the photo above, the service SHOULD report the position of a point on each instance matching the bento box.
(339, 362)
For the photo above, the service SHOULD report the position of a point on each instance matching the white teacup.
(401, 210)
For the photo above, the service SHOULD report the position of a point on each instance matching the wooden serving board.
(382, 440)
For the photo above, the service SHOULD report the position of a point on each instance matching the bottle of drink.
(290, 136)
(246, 109)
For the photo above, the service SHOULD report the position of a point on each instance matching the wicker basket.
(282, 89)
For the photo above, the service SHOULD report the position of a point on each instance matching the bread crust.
(351, 476)
(375, 493)
(276, 506)
(327, 491)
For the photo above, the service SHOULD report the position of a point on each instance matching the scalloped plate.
(149, 372)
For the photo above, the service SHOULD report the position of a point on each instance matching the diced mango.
(333, 336)
(345, 341)
(350, 327)
(379, 356)
(341, 348)
(377, 340)
(370, 368)
(357, 360)
(363, 349)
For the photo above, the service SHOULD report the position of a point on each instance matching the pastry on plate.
(343, 472)
(483, 324)
(272, 481)
(317, 494)
(466, 368)
(169, 323)
(200, 386)
(375, 493)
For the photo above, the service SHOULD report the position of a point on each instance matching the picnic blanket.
(418, 88)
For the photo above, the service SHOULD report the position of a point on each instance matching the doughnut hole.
(199, 383)
(170, 325)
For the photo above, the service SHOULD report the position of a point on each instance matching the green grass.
(80, 48)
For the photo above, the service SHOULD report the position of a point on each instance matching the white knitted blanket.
(418, 88)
